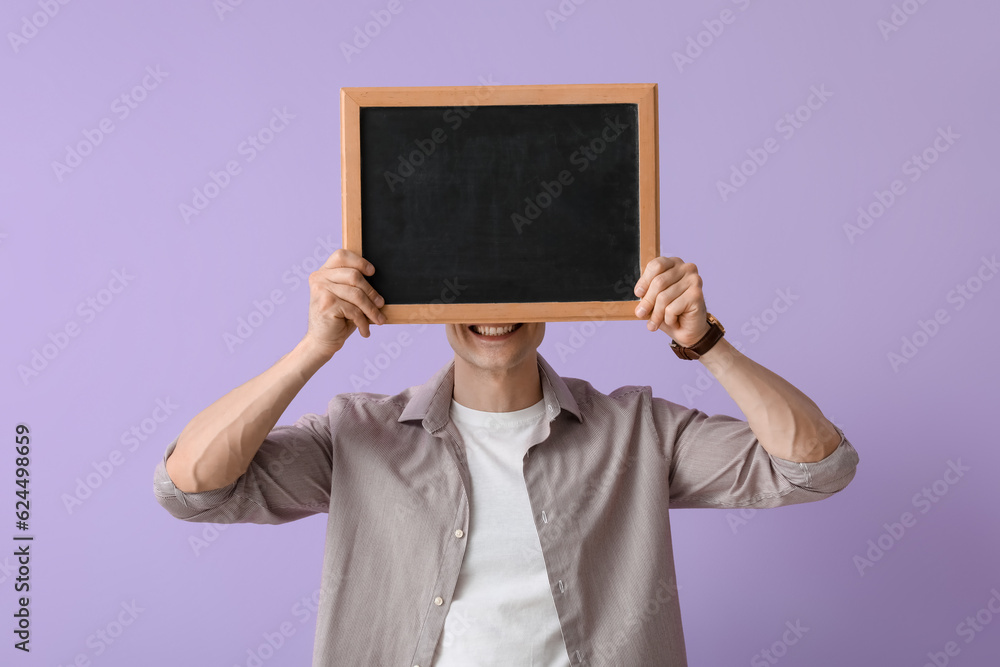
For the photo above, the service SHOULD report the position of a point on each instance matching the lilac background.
(741, 578)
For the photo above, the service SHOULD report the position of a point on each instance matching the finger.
(359, 299)
(654, 267)
(331, 295)
(675, 300)
(659, 315)
(356, 315)
(350, 276)
(359, 296)
(657, 284)
(656, 299)
(342, 257)
(685, 272)
(689, 303)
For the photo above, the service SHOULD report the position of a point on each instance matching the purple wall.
(888, 322)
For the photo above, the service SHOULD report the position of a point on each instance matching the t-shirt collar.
(431, 401)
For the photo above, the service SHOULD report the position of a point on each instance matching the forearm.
(216, 447)
(787, 423)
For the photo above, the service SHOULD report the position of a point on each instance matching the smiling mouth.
(500, 331)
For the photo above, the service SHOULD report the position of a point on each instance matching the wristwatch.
(714, 335)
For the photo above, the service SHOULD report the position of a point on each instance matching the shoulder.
(626, 397)
(633, 400)
(361, 403)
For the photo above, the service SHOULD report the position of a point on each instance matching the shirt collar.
(431, 401)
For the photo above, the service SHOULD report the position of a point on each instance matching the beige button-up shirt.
(391, 474)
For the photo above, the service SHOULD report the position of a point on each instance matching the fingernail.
(381, 319)
(379, 301)
(640, 311)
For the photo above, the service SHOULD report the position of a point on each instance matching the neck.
(498, 390)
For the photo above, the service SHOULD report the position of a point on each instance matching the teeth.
(493, 331)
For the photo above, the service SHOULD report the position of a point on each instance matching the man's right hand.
(217, 446)
(341, 300)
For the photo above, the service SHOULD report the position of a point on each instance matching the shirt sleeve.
(288, 478)
(717, 461)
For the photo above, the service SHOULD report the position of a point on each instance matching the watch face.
(711, 318)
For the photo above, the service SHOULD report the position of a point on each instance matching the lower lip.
(503, 337)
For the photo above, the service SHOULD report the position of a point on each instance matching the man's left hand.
(670, 295)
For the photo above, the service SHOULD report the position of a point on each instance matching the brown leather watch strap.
(713, 336)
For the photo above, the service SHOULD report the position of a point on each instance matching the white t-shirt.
(502, 612)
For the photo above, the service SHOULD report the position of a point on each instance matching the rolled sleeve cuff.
(827, 476)
(180, 503)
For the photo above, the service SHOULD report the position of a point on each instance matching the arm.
(717, 461)
(217, 446)
(785, 421)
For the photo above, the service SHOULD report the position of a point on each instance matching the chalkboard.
(531, 204)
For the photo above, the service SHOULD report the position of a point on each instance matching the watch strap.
(714, 334)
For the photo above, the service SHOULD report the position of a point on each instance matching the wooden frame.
(644, 96)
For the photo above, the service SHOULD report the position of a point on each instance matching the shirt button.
(439, 600)
(459, 533)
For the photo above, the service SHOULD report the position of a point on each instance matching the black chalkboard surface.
(502, 205)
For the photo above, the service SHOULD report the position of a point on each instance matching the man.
(500, 514)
